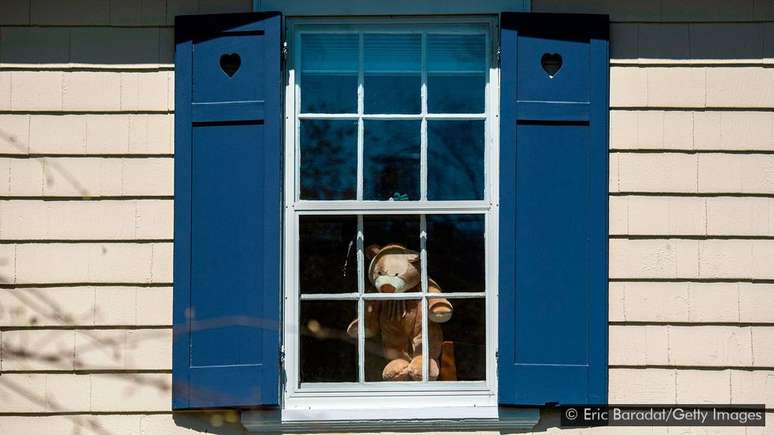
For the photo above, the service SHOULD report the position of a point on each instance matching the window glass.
(456, 252)
(327, 254)
(328, 159)
(392, 265)
(455, 161)
(327, 354)
(456, 67)
(371, 145)
(329, 65)
(391, 160)
(392, 230)
(463, 352)
(393, 73)
(387, 286)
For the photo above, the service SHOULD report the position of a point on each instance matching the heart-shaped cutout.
(230, 63)
(552, 63)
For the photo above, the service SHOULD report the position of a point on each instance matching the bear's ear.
(372, 250)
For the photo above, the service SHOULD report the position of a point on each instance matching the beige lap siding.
(62, 262)
(86, 208)
(86, 188)
(86, 177)
(685, 130)
(87, 134)
(82, 307)
(115, 219)
(692, 216)
(643, 302)
(687, 385)
(692, 211)
(739, 259)
(84, 349)
(706, 173)
(87, 91)
(93, 392)
(692, 346)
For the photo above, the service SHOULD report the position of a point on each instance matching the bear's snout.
(390, 284)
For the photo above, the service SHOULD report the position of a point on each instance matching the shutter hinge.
(283, 374)
(498, 55)
(285, 50)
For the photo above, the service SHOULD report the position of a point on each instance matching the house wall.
(86, 114)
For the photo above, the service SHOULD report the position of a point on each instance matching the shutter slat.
(227, 211)
(553, 210)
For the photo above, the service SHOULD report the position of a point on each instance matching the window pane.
(456, 53)
(328, 159)
(455, 93)
(329, 64)
(389, 355)
(463, 353)
(391, 160)
(327, 254)
(455, 161)
(455, 252)
(392, 77)
(327, 354)
(391, 230)
(456, 67)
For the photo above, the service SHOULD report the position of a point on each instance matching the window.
(422, 181)
(390, 215)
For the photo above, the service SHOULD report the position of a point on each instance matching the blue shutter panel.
(227, 211)
(553, 210)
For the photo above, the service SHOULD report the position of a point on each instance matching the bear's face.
(393, 269)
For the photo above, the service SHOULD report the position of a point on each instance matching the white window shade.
(456, 53)
(329, 52)
(392, 53)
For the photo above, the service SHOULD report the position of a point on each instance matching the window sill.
(270, 420)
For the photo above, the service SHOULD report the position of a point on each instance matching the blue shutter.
(553, 210)
(227, 211)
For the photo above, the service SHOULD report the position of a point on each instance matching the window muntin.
(402, 88)
(329, 303)
(415, 185)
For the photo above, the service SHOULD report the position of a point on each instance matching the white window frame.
(389, 400)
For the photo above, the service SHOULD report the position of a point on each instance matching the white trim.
(390, 296)
(364, 409)
(387, 207)
(396, 116)
(361, 298)
(379, 400)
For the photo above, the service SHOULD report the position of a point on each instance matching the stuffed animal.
(396, 269)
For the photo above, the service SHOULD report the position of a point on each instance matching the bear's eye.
(395, 274)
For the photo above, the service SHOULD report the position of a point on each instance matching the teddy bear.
(396, 269)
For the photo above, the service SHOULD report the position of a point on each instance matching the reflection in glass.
(329, 64)
(456, 67)
(327, 254)
(455, 252)
(327, 354)
(392, 73)
(328, 159)
(455, 160)
(391, 160)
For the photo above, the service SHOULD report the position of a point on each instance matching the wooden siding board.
(742, 130)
